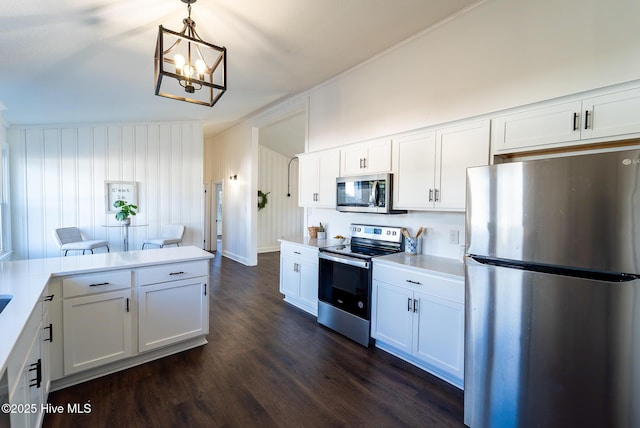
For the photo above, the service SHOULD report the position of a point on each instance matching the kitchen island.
(75, 318)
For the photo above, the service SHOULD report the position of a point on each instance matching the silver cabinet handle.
(436, 192)
(409, 304)
(177, 273)
(415, 305)
(430, 195)
(414, 282)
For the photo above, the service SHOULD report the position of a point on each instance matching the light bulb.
(188, 71)
(179, 61)
(201, 66)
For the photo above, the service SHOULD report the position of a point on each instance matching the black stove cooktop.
(360, 251)
(369, 241)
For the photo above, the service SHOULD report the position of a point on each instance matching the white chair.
(171, 235)
(70, 238)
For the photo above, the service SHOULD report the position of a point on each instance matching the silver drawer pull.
(296, 252)
(176, 273)
(95, 285)
(414, 282)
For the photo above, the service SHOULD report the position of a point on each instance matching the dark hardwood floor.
(267, 364)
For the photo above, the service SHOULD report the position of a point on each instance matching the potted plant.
(126, 210)
(322, 233)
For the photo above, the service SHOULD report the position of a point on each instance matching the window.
(5, 219)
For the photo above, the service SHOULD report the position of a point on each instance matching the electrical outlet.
(454, 236)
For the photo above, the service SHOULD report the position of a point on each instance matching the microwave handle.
(374, 194)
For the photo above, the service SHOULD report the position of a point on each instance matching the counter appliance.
(552, 331)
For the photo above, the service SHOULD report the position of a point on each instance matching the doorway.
(217, 238)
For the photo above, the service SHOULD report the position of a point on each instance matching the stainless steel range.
(344, 283)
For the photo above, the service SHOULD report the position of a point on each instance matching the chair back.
(173, 231)
(67, 235)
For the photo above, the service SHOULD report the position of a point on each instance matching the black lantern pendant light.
(189, 69)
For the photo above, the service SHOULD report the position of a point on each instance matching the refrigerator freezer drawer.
(545, 350)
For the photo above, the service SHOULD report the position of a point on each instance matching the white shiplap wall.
(281, 217)
(58, 179)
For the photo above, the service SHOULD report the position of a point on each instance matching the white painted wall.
(281, 217)
(500, 54)
(235, 153)
(58, 179)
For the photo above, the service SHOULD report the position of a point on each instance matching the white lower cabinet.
(97, 329)
(171, 312)
(420, 318)
(299, 276)
(28, 371)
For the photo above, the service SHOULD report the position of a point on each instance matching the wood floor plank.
(267, 364)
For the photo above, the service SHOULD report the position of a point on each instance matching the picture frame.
(123, 190)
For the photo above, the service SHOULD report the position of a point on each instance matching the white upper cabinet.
(553, 124)
(603, 117)
(611, 115)
(414, 164)
(318, 173)
(431, 166)
(372, 157)
(458, 148)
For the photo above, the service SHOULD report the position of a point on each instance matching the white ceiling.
(78, 61)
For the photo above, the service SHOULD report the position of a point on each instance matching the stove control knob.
(360, 305)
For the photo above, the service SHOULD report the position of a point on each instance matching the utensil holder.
(411, 246)
(322, 235)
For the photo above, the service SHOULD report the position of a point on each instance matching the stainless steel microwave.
(366, 194)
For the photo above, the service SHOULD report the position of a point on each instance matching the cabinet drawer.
(442, 286)
(172, 272)
(300, 252)
(96, 283)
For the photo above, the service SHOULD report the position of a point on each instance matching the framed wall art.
(120, 190)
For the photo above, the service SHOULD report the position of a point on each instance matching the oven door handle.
(345, 260)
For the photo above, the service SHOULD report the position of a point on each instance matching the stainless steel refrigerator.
(552, 333)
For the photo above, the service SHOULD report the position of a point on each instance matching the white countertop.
(25, 280)
(311, 242)
(440, 265)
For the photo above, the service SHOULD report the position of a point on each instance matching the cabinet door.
(610, 115)
(458, 148)
(414, 164)
(309, 173)
(97, 330)
(392, 315)
(378, 157)
(352, 159)
(439, 333)
(289, 276)
(329, 170)
(27, 391)
(171, 312)
(317, 178)
(309, 286)
(547, 125)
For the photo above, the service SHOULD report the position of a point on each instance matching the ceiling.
(79, 61)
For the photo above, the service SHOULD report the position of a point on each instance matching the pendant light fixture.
(187, 68)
